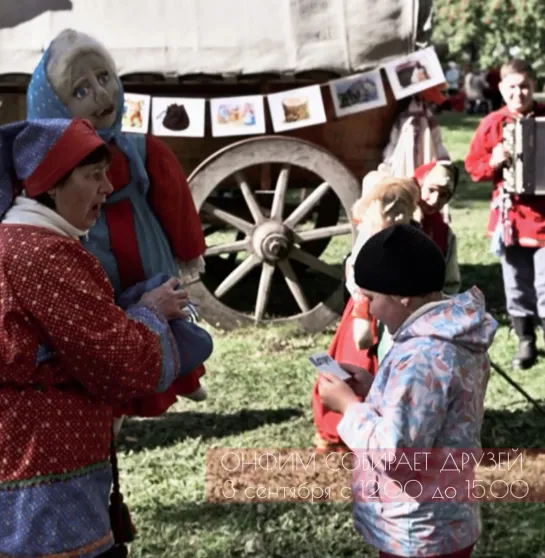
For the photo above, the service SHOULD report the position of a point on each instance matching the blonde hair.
(391, 201)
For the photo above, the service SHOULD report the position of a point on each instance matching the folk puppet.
(150, 224)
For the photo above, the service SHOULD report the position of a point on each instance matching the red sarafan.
(385, 201)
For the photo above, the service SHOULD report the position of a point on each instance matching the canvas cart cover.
(220, 36)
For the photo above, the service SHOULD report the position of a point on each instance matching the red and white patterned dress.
(68, 355)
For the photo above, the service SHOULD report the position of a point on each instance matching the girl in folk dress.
(68, 354)
(438, 181)
(384, 202)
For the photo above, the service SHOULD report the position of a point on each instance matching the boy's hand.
(335, 394)
(361, 380)
(499, 156)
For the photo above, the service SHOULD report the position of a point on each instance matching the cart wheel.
(273, 278)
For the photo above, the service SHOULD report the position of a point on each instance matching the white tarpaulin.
(219, 36)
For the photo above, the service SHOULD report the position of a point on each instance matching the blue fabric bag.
(194, 343)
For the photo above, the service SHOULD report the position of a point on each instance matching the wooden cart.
(272, 205)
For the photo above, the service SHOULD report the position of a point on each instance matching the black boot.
(527, 352)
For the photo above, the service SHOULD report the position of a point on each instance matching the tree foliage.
(491, 31)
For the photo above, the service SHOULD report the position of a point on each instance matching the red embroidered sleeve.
(477, 161)
(172, 202)
(71, 300)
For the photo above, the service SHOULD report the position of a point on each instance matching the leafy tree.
(492, 30)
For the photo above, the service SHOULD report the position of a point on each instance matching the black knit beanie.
(400, 260)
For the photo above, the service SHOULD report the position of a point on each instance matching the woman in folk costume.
(415, 138)
(68, 354)
(385, 201)
(150, 224)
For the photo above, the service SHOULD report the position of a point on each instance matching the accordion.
(524, 172)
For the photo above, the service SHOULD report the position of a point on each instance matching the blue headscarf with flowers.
(43, 102)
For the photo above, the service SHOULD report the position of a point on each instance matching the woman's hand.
(335, 394)
(169, 299)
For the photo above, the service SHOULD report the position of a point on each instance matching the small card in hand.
(324, 363)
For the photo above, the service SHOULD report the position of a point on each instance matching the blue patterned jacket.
(428, 394)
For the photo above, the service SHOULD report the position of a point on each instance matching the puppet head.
(389, 201)
(82, 74)
(438, 181)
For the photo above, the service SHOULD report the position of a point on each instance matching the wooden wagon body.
(270, 204)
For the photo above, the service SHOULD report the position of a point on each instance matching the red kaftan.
(56, 412)
(527, 213)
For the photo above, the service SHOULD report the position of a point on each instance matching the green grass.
(260, 386)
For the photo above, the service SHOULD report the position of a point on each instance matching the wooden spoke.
(294, 286)
(253, 206)
(302, 210)
(267, 173)
(237, 275)
(314, 263)
(280, 193)
(264, 290)
(233, 220)
(227, 248)
(324, 232)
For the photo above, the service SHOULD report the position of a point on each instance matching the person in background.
(68, 354)
(437, 182)
(493, 78)
(452, 76)
(422, 399)
(517, 222)
(474, 88)
(415, 139)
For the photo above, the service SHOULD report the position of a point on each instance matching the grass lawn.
(260, 385)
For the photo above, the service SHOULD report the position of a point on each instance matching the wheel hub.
(272, 241)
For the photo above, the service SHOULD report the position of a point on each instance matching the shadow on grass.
(271, 530)
(520, 428)
(488, 278)
(171, 428)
